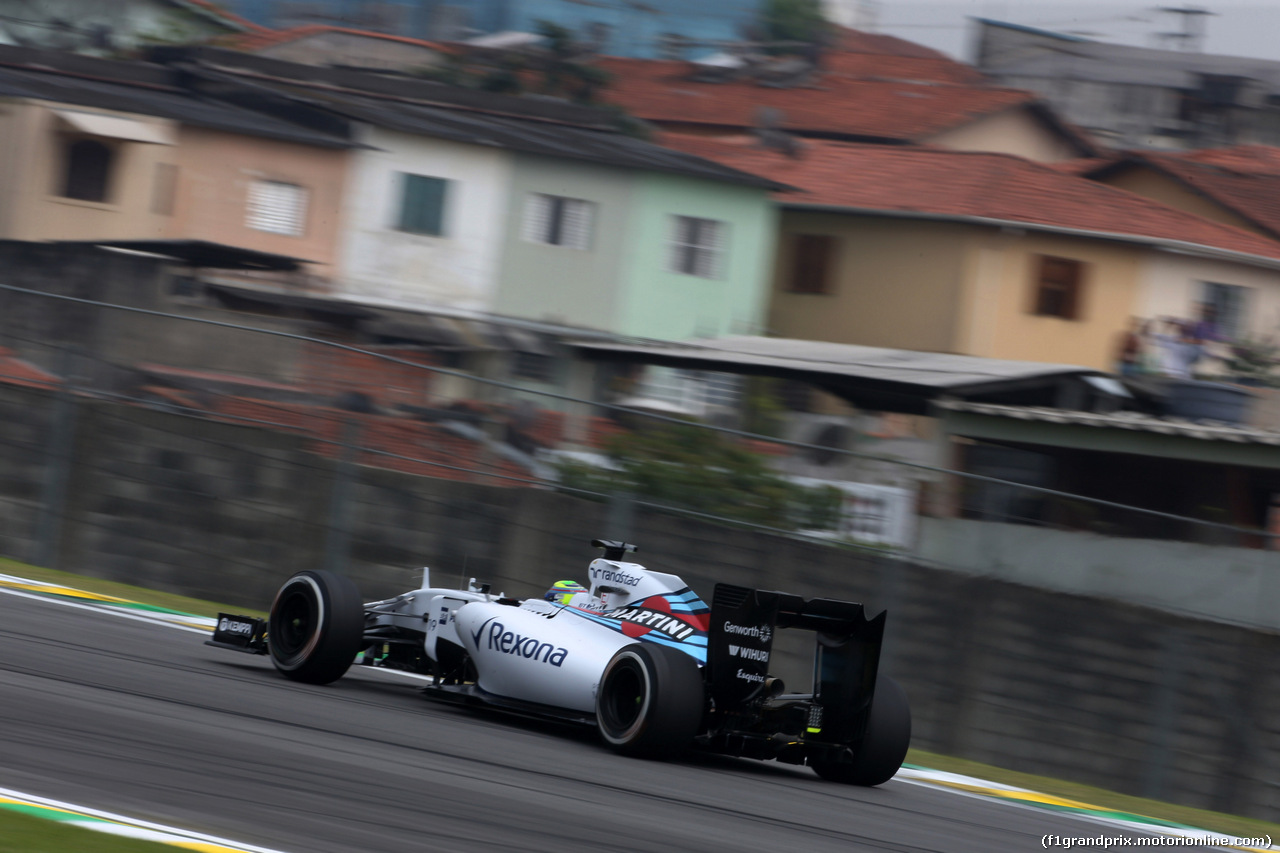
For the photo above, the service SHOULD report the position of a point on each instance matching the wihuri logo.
(510, 643)
(749, 654)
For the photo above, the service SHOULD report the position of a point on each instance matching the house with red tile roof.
(1237, 186)
(865, 88)
(983, 254)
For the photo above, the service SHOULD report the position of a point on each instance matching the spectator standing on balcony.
(1132, 355)
(1179, 348)
(1206, 328)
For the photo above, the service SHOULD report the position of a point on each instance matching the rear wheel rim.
(626, 699)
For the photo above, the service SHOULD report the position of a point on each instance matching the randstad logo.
(614, 576)
(511, 643)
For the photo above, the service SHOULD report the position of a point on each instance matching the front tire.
(315, 628)
(650, 701)
(884, 747)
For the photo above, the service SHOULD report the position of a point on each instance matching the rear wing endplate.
(846, 657)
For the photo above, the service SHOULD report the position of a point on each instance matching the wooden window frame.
(813, 259)
(1058, 288)
(90, 163)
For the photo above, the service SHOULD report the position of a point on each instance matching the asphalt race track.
(145, 720)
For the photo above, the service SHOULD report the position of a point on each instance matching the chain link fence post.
(337, 544)
(45, 547)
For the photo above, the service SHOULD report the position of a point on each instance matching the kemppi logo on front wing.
(500, 640)
(231, 626)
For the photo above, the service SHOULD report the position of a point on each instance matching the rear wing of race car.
(846, 657)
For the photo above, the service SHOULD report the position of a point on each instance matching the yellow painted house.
(983, 254)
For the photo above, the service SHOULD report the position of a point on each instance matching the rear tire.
(650, 701)
(884, 747)
(316, 626)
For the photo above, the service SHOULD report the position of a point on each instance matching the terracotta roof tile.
(1245, 179)
(849, 40)
(1254, 159)
(934, 182)
(660, 91)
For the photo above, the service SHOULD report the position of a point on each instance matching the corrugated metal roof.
(924, 370)
(509, 132)
(148, 99)
(1132, 421)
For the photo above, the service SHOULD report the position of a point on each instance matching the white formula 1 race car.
(636, 653)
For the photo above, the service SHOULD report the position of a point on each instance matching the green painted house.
(669, 252)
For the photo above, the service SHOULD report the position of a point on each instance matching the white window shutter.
(537, 213)
(576, 228)
(276, 207)
(714, 240)
(675, 247)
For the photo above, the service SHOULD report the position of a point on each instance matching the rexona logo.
(230, 626)
(763, 633)
(614, 576)
(511, 643)
(654, 620)
(749, 654)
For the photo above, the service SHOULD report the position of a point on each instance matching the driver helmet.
(562, 591)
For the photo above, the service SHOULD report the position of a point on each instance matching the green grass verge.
(122, 590)
(1217, 822)
(20, 833)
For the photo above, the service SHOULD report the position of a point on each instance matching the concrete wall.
(1099, 691)
(1238, 586)
(41, 330)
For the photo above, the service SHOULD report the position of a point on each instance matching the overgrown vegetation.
(559, 67)
(1255, 362)
(792, 26)
(689, 467)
